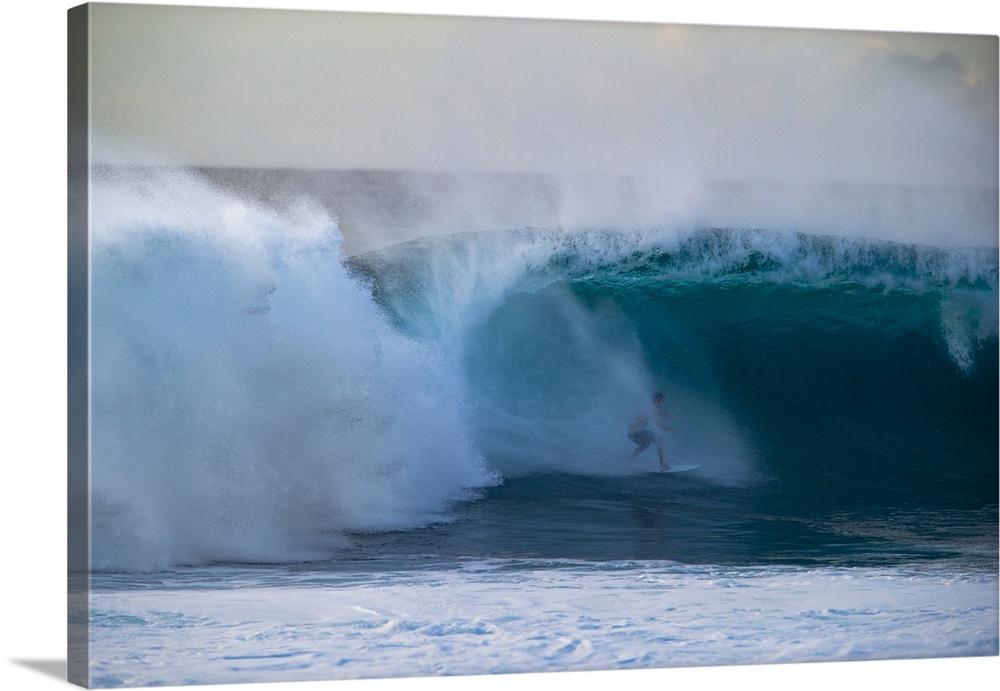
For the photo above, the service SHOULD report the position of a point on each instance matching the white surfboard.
(678, 468)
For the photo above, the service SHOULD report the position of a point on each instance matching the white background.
(33, 314)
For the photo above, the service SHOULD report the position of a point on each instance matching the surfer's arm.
(662, 425)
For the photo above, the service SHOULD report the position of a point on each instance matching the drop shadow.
(50, 668)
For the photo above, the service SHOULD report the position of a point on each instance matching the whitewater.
(499, 617)
(413, 461)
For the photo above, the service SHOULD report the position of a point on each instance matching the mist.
(452, 124)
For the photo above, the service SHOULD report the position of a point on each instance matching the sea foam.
(249, 400)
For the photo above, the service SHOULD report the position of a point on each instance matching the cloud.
(965, 72)
(946, 61)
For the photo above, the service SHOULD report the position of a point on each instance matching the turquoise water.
(840, 395)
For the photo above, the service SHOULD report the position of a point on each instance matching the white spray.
(249, 401)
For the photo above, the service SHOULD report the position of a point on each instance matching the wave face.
(257, 397)
(841, 370)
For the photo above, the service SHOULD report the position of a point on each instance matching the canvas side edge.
(78, 353)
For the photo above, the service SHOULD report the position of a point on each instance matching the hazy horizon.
(374, 208)
(670, 109)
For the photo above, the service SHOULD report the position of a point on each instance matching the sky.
(320, 89)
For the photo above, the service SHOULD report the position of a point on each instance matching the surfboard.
(676, 469)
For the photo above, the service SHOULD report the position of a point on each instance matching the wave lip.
(494, 261)
(822, 260)
(437, 286)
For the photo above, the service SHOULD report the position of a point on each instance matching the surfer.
(640, 433)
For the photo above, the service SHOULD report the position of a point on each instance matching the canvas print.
(410, 346)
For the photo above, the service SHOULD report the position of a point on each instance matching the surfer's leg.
(642, 440)
(659, 452)
(639, 449)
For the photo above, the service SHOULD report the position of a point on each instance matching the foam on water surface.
(497, 616)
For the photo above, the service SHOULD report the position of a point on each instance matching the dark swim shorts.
(641, 437)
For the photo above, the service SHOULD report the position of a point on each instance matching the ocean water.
(413, 461)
